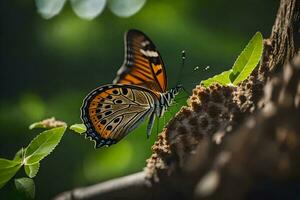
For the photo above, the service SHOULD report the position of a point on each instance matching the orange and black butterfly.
(139, 91)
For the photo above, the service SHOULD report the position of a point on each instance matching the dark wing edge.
(91, 133)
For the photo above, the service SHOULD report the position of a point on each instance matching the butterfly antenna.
(183, 57)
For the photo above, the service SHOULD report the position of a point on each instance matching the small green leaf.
(247, 60)
(43, 144)
(26, 186)
(19, 156)
(222, 79)
(8, 168)
(243, 66)
(79, 128)
(32, 170)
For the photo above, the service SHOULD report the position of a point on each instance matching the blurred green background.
(48, 66)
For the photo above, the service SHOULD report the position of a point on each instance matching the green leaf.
(8, 168)
(32, 170)
(243, 66)
(79, 128)
(49, 9)
(222, 79)
(43, 144)
(88, 9)
(19, 156)
(247, 60)
(125, 8)
(26, 186)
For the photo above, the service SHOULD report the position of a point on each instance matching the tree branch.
(134, 186)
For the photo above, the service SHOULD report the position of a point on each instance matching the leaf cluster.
(29, 157)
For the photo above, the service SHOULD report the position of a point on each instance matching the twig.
(134, 186)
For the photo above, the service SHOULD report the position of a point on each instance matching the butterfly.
(139, 91)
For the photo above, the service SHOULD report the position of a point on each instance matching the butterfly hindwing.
(110, 112)
(143, 64)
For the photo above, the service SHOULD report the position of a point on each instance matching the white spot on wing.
(145, 43)
(149, 53)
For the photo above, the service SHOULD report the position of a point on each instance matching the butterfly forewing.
(110, 112)
(142, 63)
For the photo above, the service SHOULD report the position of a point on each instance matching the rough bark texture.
(229, 142)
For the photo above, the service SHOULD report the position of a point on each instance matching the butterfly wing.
(143, 64)
(110, 112)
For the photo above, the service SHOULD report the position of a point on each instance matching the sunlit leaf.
(88, 9)
(49, 8)
(79, 128)
(19, 155)
(125, 8)
(247, 60)
(243, 66)
(43, 144)
(26, 187)
(8, 168)
(32, 170)
(222, 79)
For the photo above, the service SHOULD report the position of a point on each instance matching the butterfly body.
(138, 92)
(166, 99)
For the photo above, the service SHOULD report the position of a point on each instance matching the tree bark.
(228, 137)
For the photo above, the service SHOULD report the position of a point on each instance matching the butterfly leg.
(150, 124)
